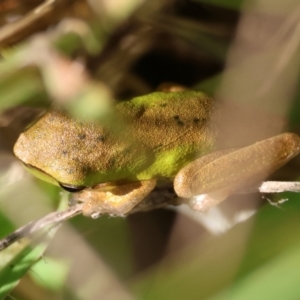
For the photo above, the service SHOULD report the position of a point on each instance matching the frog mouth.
(40, 173)
(48, 178)
(72, 188)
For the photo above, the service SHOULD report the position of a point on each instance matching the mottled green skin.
(148, 137)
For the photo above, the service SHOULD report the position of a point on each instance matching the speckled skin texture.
(234, 169)
(157, 136)
(152, 136)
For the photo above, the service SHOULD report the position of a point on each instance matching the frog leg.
(217, 175)
(113, 200)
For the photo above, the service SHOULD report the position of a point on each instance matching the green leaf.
(18, 259)
(50, 273)
(279, 279)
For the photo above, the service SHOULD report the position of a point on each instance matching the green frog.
(113, 163)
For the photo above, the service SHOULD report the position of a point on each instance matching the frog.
(110, 165)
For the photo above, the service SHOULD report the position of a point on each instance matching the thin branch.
(279, 186)
(160, 197)
(40, 17)
(50, 219)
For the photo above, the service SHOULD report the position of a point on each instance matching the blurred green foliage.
(116, 258)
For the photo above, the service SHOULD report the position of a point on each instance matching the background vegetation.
(245, 54)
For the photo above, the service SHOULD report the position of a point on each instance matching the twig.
(279, 186)
(160, 197)
(40, 17)
(50, 219)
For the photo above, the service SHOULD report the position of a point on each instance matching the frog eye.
(72, 188)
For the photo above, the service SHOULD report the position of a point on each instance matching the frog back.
(175, 127)
(147, 137)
